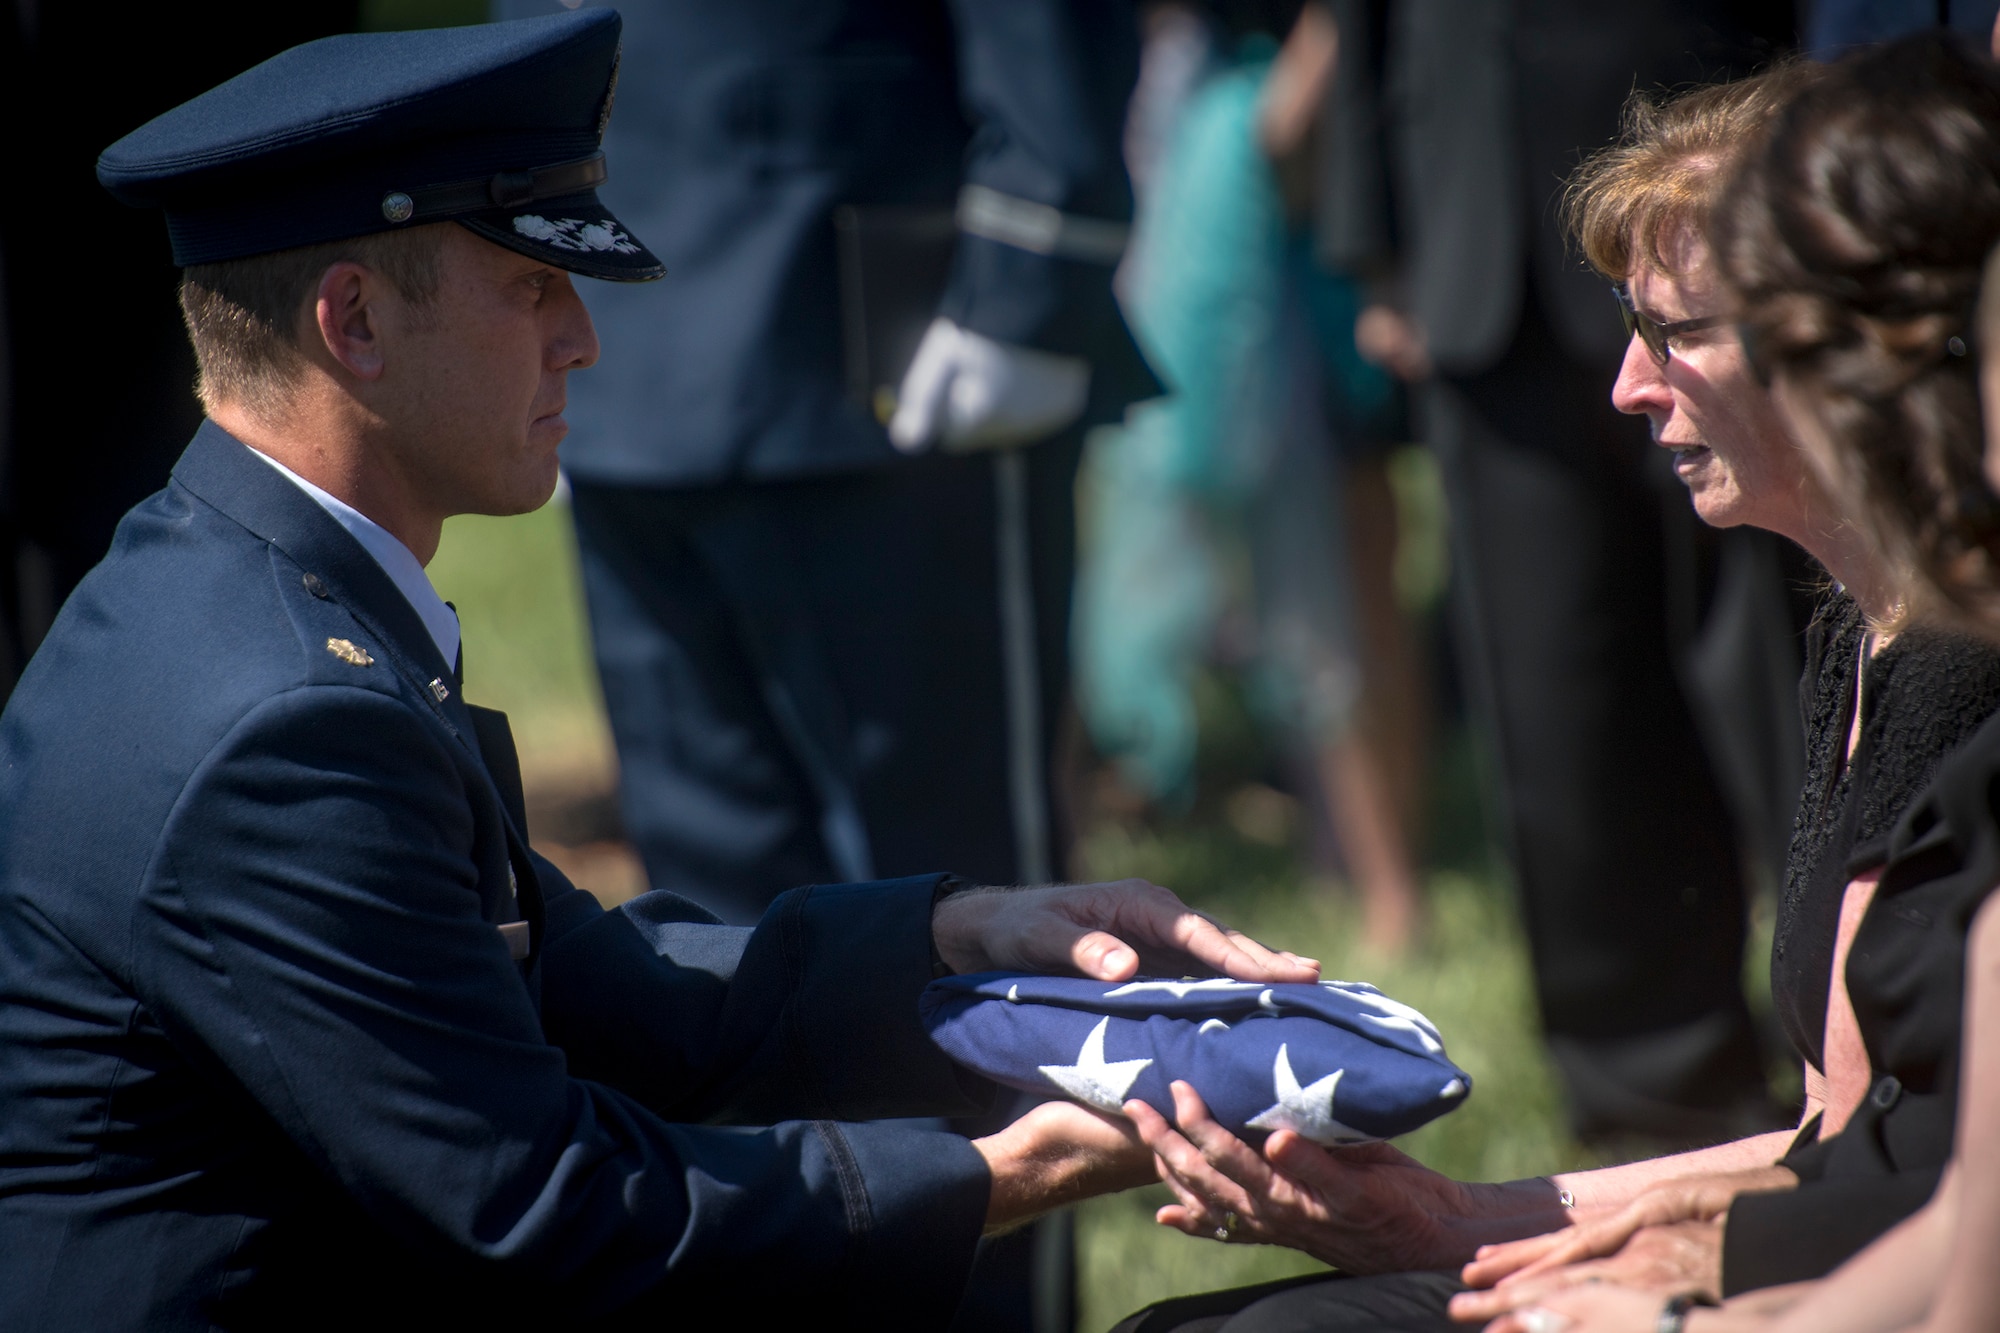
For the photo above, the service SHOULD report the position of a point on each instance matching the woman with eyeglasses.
(1881, 709)
(1855, 242)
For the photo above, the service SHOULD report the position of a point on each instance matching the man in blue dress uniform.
(829, 597)
(295, 1030)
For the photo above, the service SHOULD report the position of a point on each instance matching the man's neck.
(339, 459)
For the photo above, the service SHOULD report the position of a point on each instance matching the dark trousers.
(807, 680)
(1626, 854)
(1394, 1303)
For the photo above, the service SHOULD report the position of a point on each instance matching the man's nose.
(1641, 388)
(574, 345)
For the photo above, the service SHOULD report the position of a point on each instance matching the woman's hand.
(1365, 1209)
(1658, 1261)
(1603, 1308)
(1597, 1233)
(1593, 1309)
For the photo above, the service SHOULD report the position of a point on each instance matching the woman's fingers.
(1185, 1170)
(1474, 1306)
(1492, 1263)
(1223, 1150)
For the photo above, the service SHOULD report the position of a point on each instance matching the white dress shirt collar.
(396, 560)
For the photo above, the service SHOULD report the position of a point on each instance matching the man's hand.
(1057, 1154)
(1596, 1233)
(965, 391)
(1660, 1261)
(1365, 1209)
(1100, 930)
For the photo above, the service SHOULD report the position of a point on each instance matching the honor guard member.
(824, 494)
(295, 1030)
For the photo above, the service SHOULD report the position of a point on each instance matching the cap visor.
(576, 233)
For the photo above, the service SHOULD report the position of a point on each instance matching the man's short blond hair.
(1636, 203)
(243, 314)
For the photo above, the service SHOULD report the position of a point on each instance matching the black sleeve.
(1785, 1236)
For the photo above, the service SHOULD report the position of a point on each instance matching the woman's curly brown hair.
(1854, 238)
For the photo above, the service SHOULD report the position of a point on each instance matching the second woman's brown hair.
(1855, 238)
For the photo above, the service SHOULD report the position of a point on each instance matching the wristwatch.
(1673, 1319)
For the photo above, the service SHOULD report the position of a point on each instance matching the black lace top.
(1922, 696)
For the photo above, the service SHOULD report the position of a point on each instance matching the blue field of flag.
(1337, 1062)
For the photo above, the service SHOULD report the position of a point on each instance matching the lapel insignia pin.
(439, 690)
(349, 653)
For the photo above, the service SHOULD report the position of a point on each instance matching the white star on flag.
(1093, 1079)
(1307, 1112)
(1179, 989)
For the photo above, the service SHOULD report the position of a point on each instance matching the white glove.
(967, 392)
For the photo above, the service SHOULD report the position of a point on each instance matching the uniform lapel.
(219, 469)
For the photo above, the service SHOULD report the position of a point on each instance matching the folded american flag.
(1337, 1062)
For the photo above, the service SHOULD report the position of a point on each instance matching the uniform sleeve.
(1045, 83)
(811, 1014)
(311, 931)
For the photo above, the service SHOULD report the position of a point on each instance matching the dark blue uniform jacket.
(265, 1059)
(740, 128)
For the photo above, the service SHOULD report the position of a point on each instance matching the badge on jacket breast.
(349, 652)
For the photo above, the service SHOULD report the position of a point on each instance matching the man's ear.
(346, 319)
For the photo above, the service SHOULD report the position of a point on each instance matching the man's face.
(1730, 446)
(473, 388)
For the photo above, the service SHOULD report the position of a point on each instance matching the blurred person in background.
(1833, 27)
(73, 456)
(823, 477)
(1243, 468)
(1632, 677)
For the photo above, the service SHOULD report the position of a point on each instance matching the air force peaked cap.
(494, 126)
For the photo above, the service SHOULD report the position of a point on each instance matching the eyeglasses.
(1654, 334)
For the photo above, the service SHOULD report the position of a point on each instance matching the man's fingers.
(1109, 931)
(1233, 953)
(920, 399)
(1097, 953)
